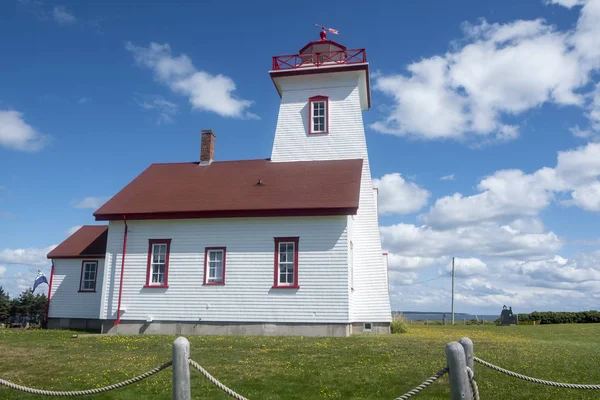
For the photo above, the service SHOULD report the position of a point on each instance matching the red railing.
(308, 60)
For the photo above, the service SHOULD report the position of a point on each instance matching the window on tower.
(318, 117)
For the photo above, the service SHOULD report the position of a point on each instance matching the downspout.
(49, 293)
(122, 271)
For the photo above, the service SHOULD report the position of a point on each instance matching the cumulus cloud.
(204, 90)
(2, 271)
(29, 256)
(16, 134)
(92, 202)
(484, 239)
(62, 16)
(447, 177)
(495, 72)
(397, 196)
(464, 267)
(511, 194)
(400, 262)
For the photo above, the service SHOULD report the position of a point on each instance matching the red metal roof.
(232, 189)
(88, 241)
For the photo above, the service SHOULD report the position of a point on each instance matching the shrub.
(399, 325)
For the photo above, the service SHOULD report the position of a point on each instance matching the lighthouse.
(324, 89)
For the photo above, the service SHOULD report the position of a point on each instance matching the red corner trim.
(206, 250)
(148, 272)
(276, 284)
(49, 292)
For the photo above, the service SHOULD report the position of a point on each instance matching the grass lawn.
(266, 368)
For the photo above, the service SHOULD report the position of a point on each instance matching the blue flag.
(40, 278)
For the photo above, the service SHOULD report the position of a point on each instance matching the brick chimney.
(207, 148)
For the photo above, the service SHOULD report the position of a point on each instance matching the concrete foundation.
(219, 328)
(82, 324)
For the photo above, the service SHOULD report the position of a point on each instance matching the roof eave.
(301, 212)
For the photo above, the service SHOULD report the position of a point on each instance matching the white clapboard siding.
(345, 140)
(66, 301)
(247, 295)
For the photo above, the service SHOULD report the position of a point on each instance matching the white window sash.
(286, 268)
(158, 266)
(88, 281)
(319, 116)
(215, 266)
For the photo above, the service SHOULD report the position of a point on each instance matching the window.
(318, 120)
(286, 263)
(367, 326)
(89, 272)
(158, 263)
(214, 265)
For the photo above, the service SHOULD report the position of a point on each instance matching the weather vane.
(324, 31)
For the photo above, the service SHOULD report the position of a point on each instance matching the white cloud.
(83, 100)
(205, 91)
(397, 196)
(511, 194)
(406, 263)
(93, 202)
(73, 229)
(488, 240)
(464, 267)
(2, 271)
(29, 256)
(166, 110)
(566, 3)
(447, 177)
(62, 16)
(16, 134)
(498, 71)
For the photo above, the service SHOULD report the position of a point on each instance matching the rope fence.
(459, 357)
(87, 392)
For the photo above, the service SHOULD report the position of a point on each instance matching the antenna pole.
(452, 290)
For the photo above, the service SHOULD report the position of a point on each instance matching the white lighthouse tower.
(324, 89)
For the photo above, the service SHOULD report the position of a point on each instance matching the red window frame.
(276, 284)
(81, 289)
(206, 250)
(165, 284)
(310, 114)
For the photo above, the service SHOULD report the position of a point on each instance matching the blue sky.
(484, 93)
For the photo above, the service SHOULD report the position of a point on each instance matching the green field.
(359, 367)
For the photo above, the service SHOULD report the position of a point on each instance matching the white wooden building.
(285, 245)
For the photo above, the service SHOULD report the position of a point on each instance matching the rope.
(423, 385)
(474, 387)
(216, 382)
(535, 380)
(88, 391)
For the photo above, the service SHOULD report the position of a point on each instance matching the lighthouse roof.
(321, 44)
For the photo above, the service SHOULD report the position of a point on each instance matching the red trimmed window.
(157, 274)
(318, 117)
(89, 273)
(286, 263)
(214, 265)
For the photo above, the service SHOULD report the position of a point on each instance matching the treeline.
(27, 308)
(549, 317)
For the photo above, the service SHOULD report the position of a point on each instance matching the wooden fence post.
(181, 369)
(467, 345)
(460, 388)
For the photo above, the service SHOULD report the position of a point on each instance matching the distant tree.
(4, 306)
(28, 308)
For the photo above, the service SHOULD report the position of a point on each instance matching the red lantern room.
(323, 52)
(322, 59)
